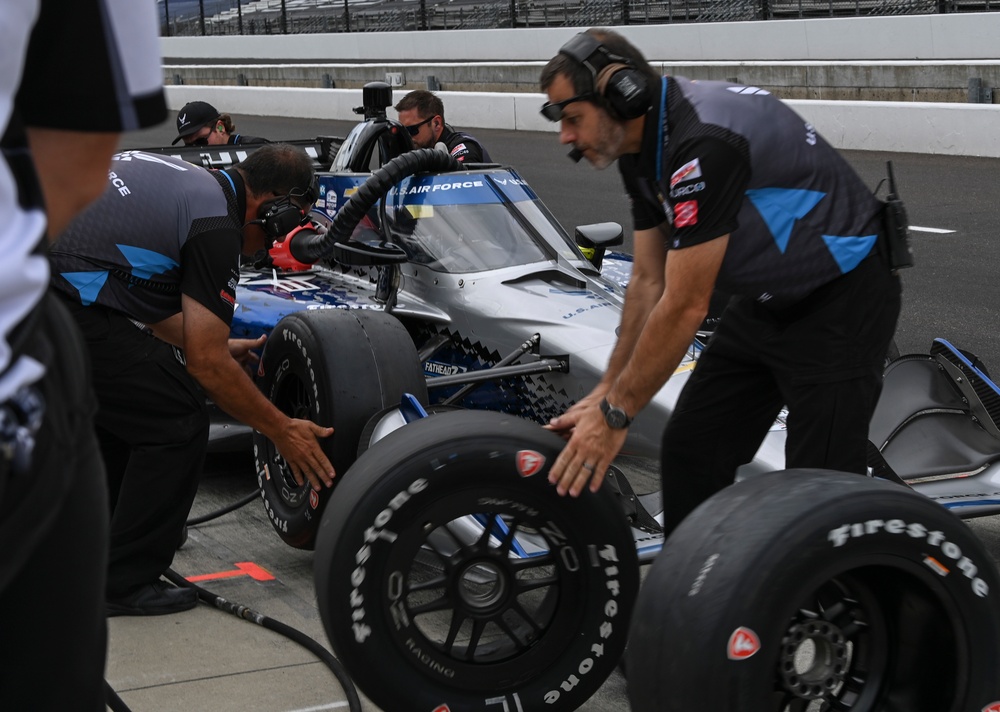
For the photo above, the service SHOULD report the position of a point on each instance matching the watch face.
(615, 417)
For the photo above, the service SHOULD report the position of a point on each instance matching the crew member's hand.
(242, 350)
(591, 447)
(563, 425)
(300, 448)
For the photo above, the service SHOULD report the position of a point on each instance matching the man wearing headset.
(149, 272)
(422, 115)
(729, 188)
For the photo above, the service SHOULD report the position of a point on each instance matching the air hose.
(315, 246)
(248, 614)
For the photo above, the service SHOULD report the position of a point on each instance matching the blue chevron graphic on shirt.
(781, 207)
(88, 284)
(145, 263)
(849, 251)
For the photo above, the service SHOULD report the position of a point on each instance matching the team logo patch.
(313, 498)
(995, 707)
(458, 149)
(228, 298)
(442, 708)
(689, 171)
(686, 213)
(529, 462)
(743, 644)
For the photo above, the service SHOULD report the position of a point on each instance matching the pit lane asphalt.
(207, 660)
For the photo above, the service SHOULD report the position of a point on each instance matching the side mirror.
(593, 240)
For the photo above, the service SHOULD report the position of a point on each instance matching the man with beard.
(730, 189)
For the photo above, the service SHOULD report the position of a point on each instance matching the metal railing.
(255, 17)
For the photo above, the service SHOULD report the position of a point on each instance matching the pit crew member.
(729, 188)
(422, 114)
(200, 124)
(149, 272)
(53, 506)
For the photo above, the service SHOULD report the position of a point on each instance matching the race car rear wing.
(321, 149)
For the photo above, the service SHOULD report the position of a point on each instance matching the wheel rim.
(876, 637)
(292, 398)
(473, 600)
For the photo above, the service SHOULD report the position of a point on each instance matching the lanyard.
(230, 179)
(662, 136)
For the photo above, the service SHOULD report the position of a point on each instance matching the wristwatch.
(614, 416)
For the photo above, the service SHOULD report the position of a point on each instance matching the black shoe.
(154, 599)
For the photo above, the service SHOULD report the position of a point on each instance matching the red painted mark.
(244, 568)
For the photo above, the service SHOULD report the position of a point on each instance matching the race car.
(454, 285)
(424, 293)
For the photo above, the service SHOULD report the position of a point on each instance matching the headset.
(616, 78)
(280, 216)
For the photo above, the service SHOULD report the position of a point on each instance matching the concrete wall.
(895, 80)
(968, 42)
(921, 37)
(908, 127)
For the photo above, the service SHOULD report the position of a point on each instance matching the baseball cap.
(192, 117)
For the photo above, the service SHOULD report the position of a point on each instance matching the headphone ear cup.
(625, 89)
(279, 218)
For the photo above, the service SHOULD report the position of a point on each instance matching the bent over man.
(729, 188)
(149, 272)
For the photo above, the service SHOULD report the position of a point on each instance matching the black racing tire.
(336, 368)
(818, 590)
(429, 612)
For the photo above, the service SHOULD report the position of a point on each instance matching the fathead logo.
(686, 213)
(313, 498)
(529, 462)
(995, 707)
(743, 644)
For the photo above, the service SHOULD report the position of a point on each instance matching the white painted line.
(930, 229)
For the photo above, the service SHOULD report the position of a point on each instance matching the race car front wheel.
(812, 590)
(451, 576)
(336, 368)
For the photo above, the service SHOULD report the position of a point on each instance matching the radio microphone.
(575, 155)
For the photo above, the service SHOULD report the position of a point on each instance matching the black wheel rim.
(490, 593)
(877, 637)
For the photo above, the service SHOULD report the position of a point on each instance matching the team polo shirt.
(720, 158)
(162, 228)
(464, 147)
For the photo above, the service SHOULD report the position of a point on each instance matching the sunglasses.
(553, 111)
(415, 129)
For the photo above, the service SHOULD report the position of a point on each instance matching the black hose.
(194, 521)
(248, 614)
(116, 703)
(314, 247)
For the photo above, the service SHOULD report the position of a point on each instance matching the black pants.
(53, 543)
(152, 424)
(822, 358)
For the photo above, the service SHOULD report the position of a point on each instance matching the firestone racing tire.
(816, 590)
(451, 576)
(336, 368)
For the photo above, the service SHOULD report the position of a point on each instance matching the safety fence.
(269, 17)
